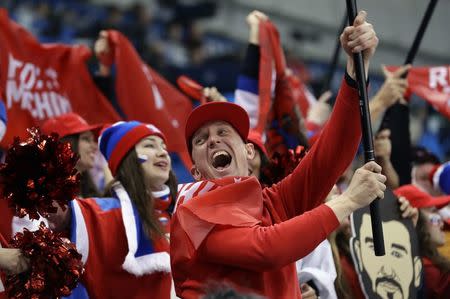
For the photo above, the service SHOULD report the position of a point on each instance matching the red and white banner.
(41, 81)
(146, 96)
(431, 83)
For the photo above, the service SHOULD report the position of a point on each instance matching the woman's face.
(155, 160)
(87, 149)
(434, 226)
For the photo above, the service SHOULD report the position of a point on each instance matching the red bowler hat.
(256, 138)
(231, 113)
(420, 199)
(68, 124)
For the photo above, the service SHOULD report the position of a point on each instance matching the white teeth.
(220, 153)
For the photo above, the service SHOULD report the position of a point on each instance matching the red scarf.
(285, 109)
(266, 30)
(235, 201)
(162, 205)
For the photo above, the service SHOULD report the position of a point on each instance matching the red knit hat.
(256, 138)
(421, 199)
(117, 140)
(231, 113)
(68, 124)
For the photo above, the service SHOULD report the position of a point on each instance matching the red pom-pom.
(37, 172)
(281, 166)
(55, 265)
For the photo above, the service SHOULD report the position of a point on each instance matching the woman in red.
(82, 137)
(123, 238)
(431, 237)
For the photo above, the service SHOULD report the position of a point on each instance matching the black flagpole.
(420, 32)
(369, 155)
(402, 165)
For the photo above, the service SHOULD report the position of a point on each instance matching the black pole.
(334, 59)
(420, 32)
(369, 155)
(396, 117)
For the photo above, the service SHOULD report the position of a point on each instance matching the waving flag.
(431, 83)
(146, 96)
(41, 81)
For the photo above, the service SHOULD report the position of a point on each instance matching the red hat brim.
(440, 201)
(231, 113)
(54, 126)
(81, 129)
(420, 199)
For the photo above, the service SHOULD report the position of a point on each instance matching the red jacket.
(251, 237)
(437, 284)
(105, 250)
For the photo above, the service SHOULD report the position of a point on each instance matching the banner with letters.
(40, 81)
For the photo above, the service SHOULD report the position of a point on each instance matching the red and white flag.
(432, 83)
(41, 81)
(146, 96)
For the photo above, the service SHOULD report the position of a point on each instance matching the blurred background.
(206, 39)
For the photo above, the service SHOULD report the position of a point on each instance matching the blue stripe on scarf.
(145, 246)
(107, 203)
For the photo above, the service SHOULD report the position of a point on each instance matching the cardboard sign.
(397, 274)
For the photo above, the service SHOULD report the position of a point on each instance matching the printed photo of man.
(397, 274)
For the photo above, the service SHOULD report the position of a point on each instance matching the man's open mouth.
(221, 160)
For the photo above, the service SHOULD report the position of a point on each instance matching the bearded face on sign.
(396, 275)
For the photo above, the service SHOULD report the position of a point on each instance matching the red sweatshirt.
(105, 249)
(437, 284)
(251, 237)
